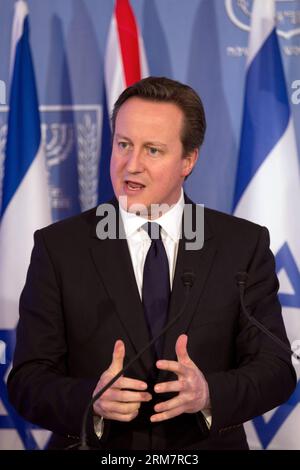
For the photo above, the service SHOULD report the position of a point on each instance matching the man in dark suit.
(93, 299)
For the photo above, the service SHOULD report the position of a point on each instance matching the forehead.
(149, 116)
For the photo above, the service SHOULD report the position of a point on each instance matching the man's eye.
(153, 151)
(123, 145)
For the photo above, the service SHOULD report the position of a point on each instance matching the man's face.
(147, 164)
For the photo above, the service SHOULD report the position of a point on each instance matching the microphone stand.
(241, 279)
(188, 280)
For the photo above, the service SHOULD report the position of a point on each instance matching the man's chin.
(133, 206)
(148, 210)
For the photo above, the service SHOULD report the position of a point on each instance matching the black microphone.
(241, 280)
(187, 278)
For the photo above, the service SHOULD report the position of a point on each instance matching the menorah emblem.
(77, 139)
(58, 140)
(70, 136)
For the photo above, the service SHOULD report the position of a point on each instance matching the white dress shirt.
(139, 242)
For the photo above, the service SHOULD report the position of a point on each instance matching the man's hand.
(123, 399)
(192, 388)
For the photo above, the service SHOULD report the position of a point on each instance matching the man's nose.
(135, 161)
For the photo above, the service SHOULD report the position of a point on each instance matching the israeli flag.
(268, 192)
(25, 208)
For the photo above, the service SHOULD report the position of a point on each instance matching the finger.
(181, 349)
(130, 384)
(108, 413)
(167, 414)
(169, 404)
(126, 396)
(121, 417)
(120, 384)
(108, 407)
(172, 386)
(172, 366)
(117, 357)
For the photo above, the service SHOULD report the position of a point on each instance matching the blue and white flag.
(25, 208)
(268, 192)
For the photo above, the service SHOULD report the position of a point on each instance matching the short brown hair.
(166, 90)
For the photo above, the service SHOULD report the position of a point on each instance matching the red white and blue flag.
(125, 64)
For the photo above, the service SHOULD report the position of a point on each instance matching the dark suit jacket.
(81, 296)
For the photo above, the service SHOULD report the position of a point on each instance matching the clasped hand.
(123, 399)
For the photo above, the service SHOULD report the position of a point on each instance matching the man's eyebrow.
(156, 144)
(150, 142)
(120, 136)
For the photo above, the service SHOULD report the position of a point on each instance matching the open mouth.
(134, 186)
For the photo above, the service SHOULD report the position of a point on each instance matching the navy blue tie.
(156, 285)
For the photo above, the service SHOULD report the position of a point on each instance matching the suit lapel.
(114, 267)
(199, 262)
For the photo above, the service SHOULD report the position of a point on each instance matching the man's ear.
(189, 161)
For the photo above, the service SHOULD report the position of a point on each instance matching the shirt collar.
(170, 221)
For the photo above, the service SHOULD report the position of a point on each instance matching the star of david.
(286, 261)
(267, 430)
(12, 420)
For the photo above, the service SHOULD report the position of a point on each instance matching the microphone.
(241, 280)
(188, 279)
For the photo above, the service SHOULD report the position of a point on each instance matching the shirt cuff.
(98, 426)
(207, 416)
